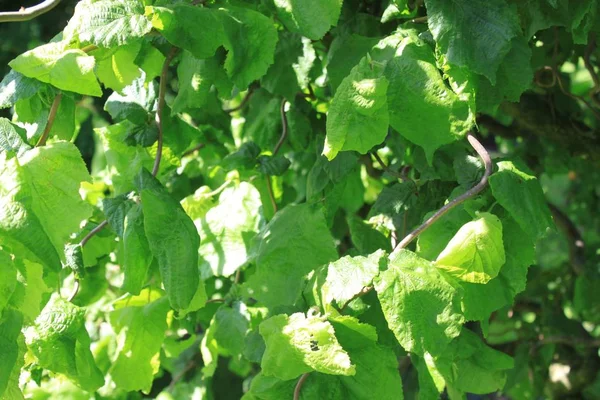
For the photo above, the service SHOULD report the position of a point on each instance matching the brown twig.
(299, 385)
(51, 118)
(419, 20)
(215, 301)
(243, 103)
(162, 88)
(193, 150)
(475, 190)
(94, 231)
(75, 291)
(26, 14)
(89, 48)
(364, 291)
(284, 129)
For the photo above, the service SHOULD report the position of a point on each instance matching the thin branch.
(75, 291)
(271, 194)
(26, 14)
(475, 190)
(299, 386)
(193, 150)
(51, 118)
(215, 301)
(364, 291)
(419, 20)
(93, 232)
(89, 48)
(284, 129)
(162, 88)
(242, 104)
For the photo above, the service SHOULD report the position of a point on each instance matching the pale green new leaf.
(140, 333)
(422, 108)
(521, 195)
(61, 344)
(475, 34)
(108, 23)
(421, 307)
(476, 253)
(295, 242)
(251, 39)
(64, 68)
(195, 29)
(310, 18)
(118, 69)
(137, 256)
(298, 344)
(173, 240)
(40, 205)
(227, 230)
(358, 117)
(347, 276)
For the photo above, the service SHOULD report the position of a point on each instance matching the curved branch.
(162, 88)
(243, 103)
(25, 14)
(75, 291)
(284, 130)
(299, 386)
(51, 118)
(91, 234)
(475, 190)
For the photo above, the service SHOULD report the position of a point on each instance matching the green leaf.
(32, 113)
(10, 329)
(421, 307)
(298, 344)
(434, 239)
(134, 104)
(229, 327)
(347, 276)
(365, 237)
(244, 158)
(61, 344)
(12, 138)
(358, 118)
(480, 301)
(284, 256)
(195, 78)
(140, 334)
(116, 209)
(137, 255)
(173, 240)
(64, 68)
(471, 366)
(228, 229)
(251, 39)
(118, 69)
(40, 205)
(281, 78)
(310, 18)
(273, 165)
(74, 258)
(473, 34)
(30, 291)
(423, 109)
(344, 52)
(108, 23)
(584, 16)
(195, 29)
(521, 195)
(8, 280)
(476, 253)
(16, 86)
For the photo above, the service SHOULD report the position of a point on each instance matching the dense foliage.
(290, 199)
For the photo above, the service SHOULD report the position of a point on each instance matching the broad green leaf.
(134, 104)
(16, 86)
(124, 162)
(365, 237)
(244, 158)
(118, 69)
(116, 209)
(140, 333)
(74, 258)
(521, 195)
(40, 205)
(347, 276)
(423, 109)
(108, 23)
(10, 329)
(476, 253)
(173, 240)
(12, 390)
(398, 9)
(8, 280)
(195, 78)
(480, 301)
(473, 34)
(311, 18)
(12, 138)
(281, 78)
(273, 165)
(32, 114)
(295, 242)
(195, 29)
(228, 229)
(584, 16)
(345, 52)
(137, 256)
(61, 344)
(64, 68)
(229, 327)
(250, 39)
(196, 205)
(471, 366)
(358, 118)
(30, 292)
(434, 239)
(298, 344)
(421, 307)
